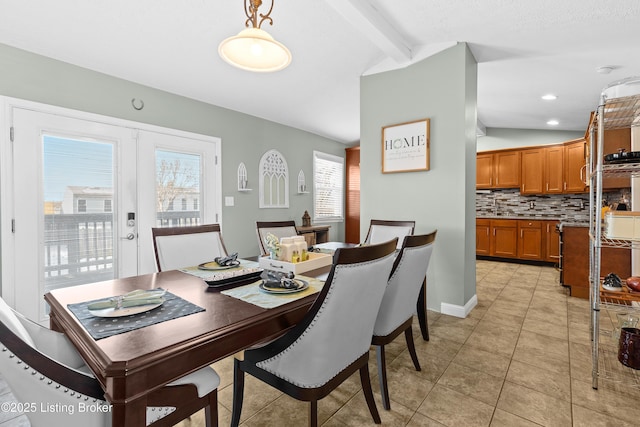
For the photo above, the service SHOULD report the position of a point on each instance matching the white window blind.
(328, 187)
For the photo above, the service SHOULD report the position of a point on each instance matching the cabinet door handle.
(583, 168)
(547, 186)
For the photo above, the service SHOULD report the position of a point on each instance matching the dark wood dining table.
(132, 364)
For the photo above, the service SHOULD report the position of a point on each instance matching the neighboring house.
(78, 199)
(178, 199)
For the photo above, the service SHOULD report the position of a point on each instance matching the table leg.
(134, 413)
(421, 308)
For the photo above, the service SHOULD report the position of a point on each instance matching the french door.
(84, 193)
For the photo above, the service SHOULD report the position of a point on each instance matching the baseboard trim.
(458, 310)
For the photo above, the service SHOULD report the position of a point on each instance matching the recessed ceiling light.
(553, 123)
(549, 97)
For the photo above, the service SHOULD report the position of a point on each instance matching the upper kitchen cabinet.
(575, 167)
(484, 170)
(614, 141)
(553, 169)
(498, 169)
(532, 171)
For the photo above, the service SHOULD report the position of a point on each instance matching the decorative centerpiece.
(272, 244)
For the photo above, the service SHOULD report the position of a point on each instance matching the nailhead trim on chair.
(262, 364)
(154, 413)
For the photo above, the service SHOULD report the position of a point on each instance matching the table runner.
(103, 327)
(251, 293)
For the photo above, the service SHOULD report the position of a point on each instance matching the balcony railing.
(79, 248)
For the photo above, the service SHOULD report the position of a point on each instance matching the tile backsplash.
(510, 203)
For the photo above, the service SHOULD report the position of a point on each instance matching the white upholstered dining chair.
(277, 228)
(383, 230)
(179, 247)
(332, 341)
(396, 310)
(44, 370)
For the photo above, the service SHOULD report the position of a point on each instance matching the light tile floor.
(521, 358)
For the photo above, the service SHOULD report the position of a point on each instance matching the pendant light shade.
(253, 49)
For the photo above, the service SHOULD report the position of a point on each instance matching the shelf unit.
(619, 108)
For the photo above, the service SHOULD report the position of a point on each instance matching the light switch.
(229, 201)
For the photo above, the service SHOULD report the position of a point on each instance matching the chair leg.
(382, 376)
(238, 393)
(421, 308)
(313, 413)
(211, 411)
(368, 393)
(408, 335)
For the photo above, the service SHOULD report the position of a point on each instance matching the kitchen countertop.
(564, 222)
(525, 217)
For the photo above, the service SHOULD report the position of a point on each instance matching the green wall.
(500, 138)
(442, 88)
(244, 138)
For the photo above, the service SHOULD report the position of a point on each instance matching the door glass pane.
(78, 182)
(177, 189)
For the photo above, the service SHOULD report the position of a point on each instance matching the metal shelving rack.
(612, 113)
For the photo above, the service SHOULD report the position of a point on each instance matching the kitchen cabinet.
(530, 240)
(575, 165)
(500, 169)
(551, 241)
(483, 237)
(532, 171)
(534, 240)
(504, 238)
(614, 141)
(553, 169)
(484, 170)
(506, 169)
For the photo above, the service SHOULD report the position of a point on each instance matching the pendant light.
(253, 49)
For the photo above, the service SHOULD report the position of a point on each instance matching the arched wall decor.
(274, 180)
(243, 178)
(302, 183)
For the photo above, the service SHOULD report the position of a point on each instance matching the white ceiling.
(524, 49)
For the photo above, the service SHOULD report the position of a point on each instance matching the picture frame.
(405, 147)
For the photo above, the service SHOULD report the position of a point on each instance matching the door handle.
(129, 236)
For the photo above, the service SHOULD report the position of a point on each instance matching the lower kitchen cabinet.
(575, 261)
(551, 241)
(530, 240)
(533, 240)
(483, 237)
(504, 238)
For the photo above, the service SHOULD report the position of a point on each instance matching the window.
(328, 187)
(184, 204)
(107, 205)
(82, 205)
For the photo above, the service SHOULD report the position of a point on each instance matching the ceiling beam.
(363, 16)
